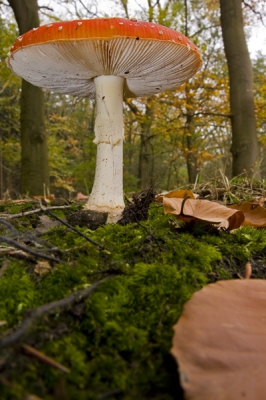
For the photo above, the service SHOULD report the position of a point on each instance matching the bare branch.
(45, 309)
(72, 227)
(28, 250)
(92, 14)
(214, 114)
(205, 28)
(46, 8)
(36, 211)
(254, 11)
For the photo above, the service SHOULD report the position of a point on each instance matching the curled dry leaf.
(220, 342)
(187, 209)
(254, 212)
(178, 194)
(42, 267)
(81, 196)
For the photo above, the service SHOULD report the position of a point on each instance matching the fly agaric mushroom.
(107, 59)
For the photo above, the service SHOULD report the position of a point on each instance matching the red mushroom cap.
(65, 57)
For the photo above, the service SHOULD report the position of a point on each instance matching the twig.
(28, 250)
(9, 226)
(47, 211)
(254, 11)
(29, 236)
(45, 309)
(43, 358)
(46, 8)
(111, 393)
(18, 389)
(24, 213)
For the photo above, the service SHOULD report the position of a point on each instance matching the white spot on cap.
(49, 25)
(160, 32)
(20, 38)
(79, 23)
(60, 28)
(121, 23)
(34, 29)
(173, 40)
(152, 26)
(12, 47)
(188, 46)
(180, 37)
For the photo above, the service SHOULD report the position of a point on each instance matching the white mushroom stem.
(107, 191)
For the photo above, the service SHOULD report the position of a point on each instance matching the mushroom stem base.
(107, 191)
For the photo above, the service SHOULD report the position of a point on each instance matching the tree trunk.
(34, 153)
(245, 149)
(146, 153)
(191, 157)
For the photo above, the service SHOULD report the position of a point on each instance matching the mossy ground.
(116, 343)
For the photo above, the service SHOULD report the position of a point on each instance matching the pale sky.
(256, 41)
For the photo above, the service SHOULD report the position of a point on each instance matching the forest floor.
(87, 309)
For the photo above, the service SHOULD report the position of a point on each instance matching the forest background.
(170, 139)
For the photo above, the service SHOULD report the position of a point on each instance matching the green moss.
(16, 293)
(120, 337)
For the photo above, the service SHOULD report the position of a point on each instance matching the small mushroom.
(107, 59)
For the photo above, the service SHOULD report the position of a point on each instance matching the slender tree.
(245, 149)
(34, 153)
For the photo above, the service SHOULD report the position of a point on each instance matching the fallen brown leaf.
(42, 267)
(220, 342)
(255, 214)
(81, 196)
(189, 209)
(177, 194)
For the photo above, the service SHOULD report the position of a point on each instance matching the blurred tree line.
(170, 139)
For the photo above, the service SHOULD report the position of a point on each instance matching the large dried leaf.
(220, 342)
(254, 212)
(189, 209)
(178, 194)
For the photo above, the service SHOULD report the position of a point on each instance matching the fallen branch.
(47, 211)
(45, 309)
(28, 250)
(29, 236)
(36, 211)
